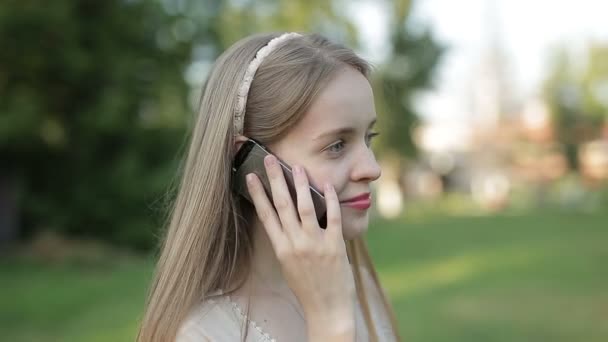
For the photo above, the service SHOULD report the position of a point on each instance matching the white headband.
(239, 111)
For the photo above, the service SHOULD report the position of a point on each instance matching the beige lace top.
(222, 319)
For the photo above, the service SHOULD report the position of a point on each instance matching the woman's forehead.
(346, 100)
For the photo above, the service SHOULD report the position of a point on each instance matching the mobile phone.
(250, 159)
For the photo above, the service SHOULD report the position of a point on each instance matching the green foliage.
(578, 96)
(409, 69)
(94, 106)
(92, 112)
(326, 17)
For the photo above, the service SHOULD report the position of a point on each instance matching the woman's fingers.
(334, 215)
(280, 216)
(305, 205)
(266, 212)
(280, 195)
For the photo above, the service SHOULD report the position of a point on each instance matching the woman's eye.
(370, 136)
(337, 147)
(340, 145)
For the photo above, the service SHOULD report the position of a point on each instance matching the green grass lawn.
(537, 277)
(528, 278)
(72, 302)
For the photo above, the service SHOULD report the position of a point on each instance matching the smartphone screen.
(250, 159)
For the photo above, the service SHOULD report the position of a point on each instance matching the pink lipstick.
(360, 202)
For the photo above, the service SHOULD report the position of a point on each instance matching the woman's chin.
(354, 227)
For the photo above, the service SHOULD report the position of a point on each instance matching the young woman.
(264, 270)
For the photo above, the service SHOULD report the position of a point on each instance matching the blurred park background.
(491, 215)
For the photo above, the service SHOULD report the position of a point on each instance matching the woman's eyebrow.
(342, 131)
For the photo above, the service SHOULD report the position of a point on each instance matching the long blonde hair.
(207, 246)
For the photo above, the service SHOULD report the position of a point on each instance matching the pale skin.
(328, 148)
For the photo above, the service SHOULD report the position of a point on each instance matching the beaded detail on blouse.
(243, 316)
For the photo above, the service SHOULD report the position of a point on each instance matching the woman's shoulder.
(210, 320)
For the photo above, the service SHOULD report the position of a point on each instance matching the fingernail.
(249, 178)
(269, 160)
(297, 169)
(328, 187)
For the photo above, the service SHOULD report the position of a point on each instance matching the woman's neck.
(265, 266)
(265, 282)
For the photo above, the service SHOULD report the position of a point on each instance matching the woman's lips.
(360, 204)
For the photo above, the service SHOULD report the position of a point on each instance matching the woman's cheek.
(326, 172)
(318, 178)
(319, 184)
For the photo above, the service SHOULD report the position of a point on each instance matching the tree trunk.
(8, 210)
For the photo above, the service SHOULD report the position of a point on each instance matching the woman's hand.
(313, 260)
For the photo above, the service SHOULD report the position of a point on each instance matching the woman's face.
(332, 143)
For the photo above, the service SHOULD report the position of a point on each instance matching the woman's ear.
(238, 142)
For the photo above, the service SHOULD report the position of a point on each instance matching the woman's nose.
(366, 167)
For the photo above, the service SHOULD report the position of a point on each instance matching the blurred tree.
(594, 82)
(323, 16)
(577, 94)
(94, 100)
(408, 70)
(92, 110)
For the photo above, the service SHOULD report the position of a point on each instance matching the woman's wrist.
(338, 328)
(335, 337)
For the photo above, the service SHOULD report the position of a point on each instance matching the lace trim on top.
(237, 309)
